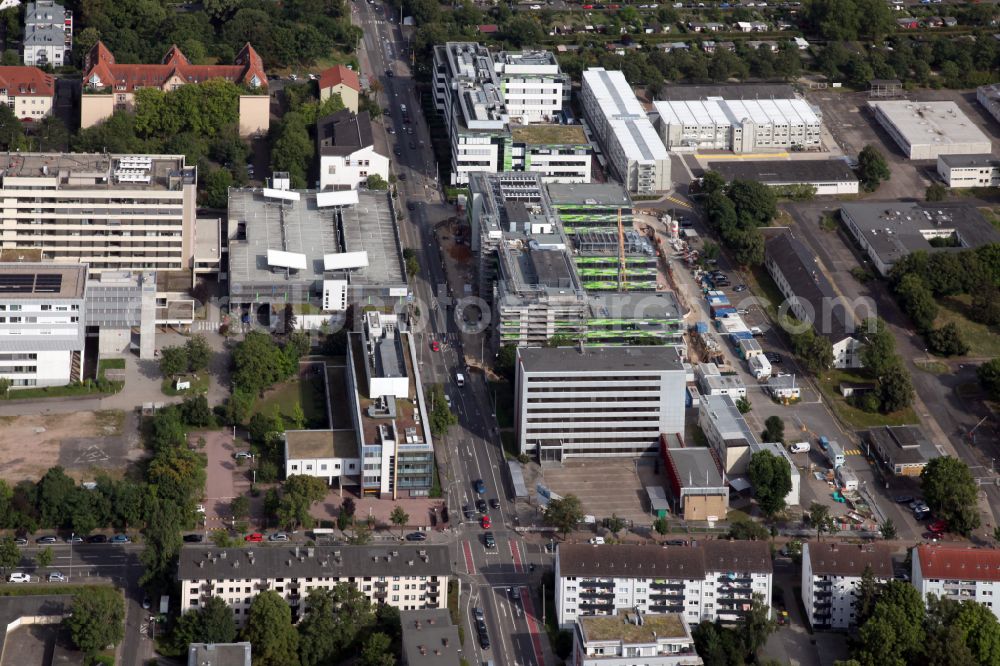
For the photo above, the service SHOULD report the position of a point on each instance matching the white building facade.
(712, 580)
(534, 87)
(969, 171)
(48, 34)
(347, 155)
(831, 578)
(659, 639)
(959, 574)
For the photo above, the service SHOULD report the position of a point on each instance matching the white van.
(800, 447)
(460, 379)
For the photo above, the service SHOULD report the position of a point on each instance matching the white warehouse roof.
(718, 111)
(625, 115)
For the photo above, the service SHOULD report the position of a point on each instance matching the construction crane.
(621, 253)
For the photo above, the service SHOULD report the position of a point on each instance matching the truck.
(459, 379)
(834, 453)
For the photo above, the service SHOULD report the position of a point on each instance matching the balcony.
(597, 594)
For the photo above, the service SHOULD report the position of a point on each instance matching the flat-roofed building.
(656, 639)
(968, 171)
(989, 97)
(727, 433)
(709, 580)
(902, 450)
(112, 212)
(597, 401)
(402, 576)
(561, 153)
(534, 87)
(829, 177)
(429, 638)
(697, 482)
(220, 654)
(631, 146)
(831, 579)
(925, 130)
(42, 323)
(958, 573)
(347, 155)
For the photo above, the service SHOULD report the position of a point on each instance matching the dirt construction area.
(80, 441)
(607, 486)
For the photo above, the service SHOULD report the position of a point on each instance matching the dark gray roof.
(842, 559)
(773, 172)
(599, 359)
(13, 608)
(696, 468)
(219, 654)
(210, 563)
(799, 266)
(726, 91)
(678, 562)
(343, 132)
(902, 445)
(429, 638)
(970, 160)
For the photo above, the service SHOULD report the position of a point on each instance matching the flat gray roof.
(939, 123)
(589, 194)
(624, 305)
(42, 605)
(727, 91)
(42, 281)
(696, 468)
(207, 239)
(370, 226)
(429, 638)
(219, 654)
(592, 360)
(979, 160)
(786, 171)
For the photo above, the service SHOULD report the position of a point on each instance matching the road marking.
(515, 554)
(470, 564)
(529, 616)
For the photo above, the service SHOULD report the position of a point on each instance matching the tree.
(51, 134)
(747, 530)
(97, 619)
(894, 634)
(442, 417)
(11, 130)
(947, 341)
(196, 412)
(215, 188)
(867, 596)
(317, 644)
(888, 529)
(753, 201)
(55, 490)
(162, 540)
(506, 358)
(10, 554)
(412, 261)
(173, 361)
(951, 493)
(814, 351)
(269, 629)
(820, 519)
(662, 526)
(240, 507)
(743, 405)
(872, 168)
(945, 643)
(917, 301)
(615, 524)
(377, 182)
(756, 625)
(880, 351)
(212, 623)
(198, 353)
(5, 385)
(564, 514)
(523, 30)
(894, 389)
(774, 430)
(771, 477)
(399, 518)
(298, 419)
(986, 305)
(298, 495)
(988, 375)
(259, 363)
(376, 652)
(44, 557)
(935, 192)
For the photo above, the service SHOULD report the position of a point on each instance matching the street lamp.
(72, 538)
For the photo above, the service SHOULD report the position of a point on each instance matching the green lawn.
(829, 383)
(110, 364)
(199, 384)
(982, 340)
(70, 390)
(308, 393)
(764, 288)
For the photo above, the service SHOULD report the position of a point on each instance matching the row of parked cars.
(93, 538)
(53, 577)
(922, 512)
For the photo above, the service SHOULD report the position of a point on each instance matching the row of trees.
(337, 625)
(737, 211)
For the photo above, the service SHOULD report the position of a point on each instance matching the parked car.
(416, 536)
(18, 577)
(740, 287)
(938, 526)
(596, 541)
(200, 508)
(146, 603)
(478, 613)
(46, 539)
(903, 499)
(800, 447)
(193, 538)
(256, 537)
(120, 538)
(21, 541)
(494, 503)
(74, 538)
(435, 346)
(56, 577)
(97, 538)
(278, 536)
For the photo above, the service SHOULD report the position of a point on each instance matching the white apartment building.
(479, 94)
(347, 155)
(958, 573)
(652, 639)
(42, 323)
(738, 125)
(28, 91)
(48, 34)
(711, 580)
(597, 401)
(967, 171)
(405, 577)
(631, 146)
(831, 577)
(113, 212)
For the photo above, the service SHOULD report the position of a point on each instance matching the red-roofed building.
(28, 91)
(958, 573)
(341, 80)
(489, 29)
(109, 86)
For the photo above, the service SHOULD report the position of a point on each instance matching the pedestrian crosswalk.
(679, 202)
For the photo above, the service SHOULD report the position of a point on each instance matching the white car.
(597, 541)
(200, 508)
(18, 577)
(801, 447)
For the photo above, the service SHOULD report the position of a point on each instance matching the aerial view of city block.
(499, 333)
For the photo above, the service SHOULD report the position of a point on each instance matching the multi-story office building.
(109, 86)
(112, 212)
(42, 323)
(631, 146)
(560, 153)
(48, 34)
(711, 580)
(28, 91)
(480, 93)
(831, 578)
(969, 171)
(597, 401)
(652, 639)
(958, 573)
(405, 577)
(346, 149)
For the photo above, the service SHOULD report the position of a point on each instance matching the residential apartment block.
(968, 171)
(631, 146)
(112, 212)
(42, 323)
(711, 580)
(346, 149)
(28, 91)
(628, 637)
(405, 577)
(959, 574)
(480, 94)
(48, 34)
(831, 578)
(109, 86)
(597, 401)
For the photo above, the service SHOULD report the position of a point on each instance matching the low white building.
(347, 155)
(925, 130)
(831, 576)
(958, 573)
(829, 177)
(727, 432)
(784, 387)
(967, 171)
(711, 381)
(710, 580)
(628, 637)
(759, 367)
